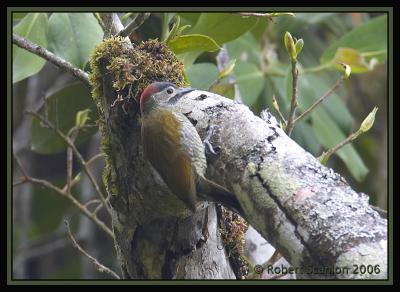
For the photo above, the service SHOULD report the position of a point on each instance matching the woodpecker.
(175, 150)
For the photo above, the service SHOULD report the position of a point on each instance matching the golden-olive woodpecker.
(175, 150)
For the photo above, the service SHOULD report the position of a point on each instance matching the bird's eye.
(170, 90)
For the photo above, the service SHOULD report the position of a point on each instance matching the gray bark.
(305, 210)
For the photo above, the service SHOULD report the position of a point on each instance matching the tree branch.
(135, 23)
(112, 24)
(49, 185)
(321, 99)
(293, 103)
(100, 267)
(49, 56)
(77, 154)
(306, 211)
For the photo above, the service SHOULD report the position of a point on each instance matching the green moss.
(233, 230)
(133, 67)
(130, 68)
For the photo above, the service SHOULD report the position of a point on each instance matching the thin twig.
(95, 157)
(100, 267)
(321, 99)
(90, 202)
(334, 149)
(72, 134)
(49, 185)
(276, 108)
(293, 103)
(49, 56)
(77, 154)
(255, 14)
(99, 20)
(135, 23)
(112, 24)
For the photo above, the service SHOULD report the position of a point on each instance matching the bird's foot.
(207, 145)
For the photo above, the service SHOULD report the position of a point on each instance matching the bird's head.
(160, 94)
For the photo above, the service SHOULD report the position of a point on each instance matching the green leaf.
(313, 18)
(81, 118)
(352, 58)
(227, 90)
(250, 81)
(304, 135)
(193, 42)
(72, 36)
(173, 33)
(223, 27)
(202, 75)
(369, 37)
(62, 107)
(329, 135)
(34, 28)
(245, 49)
(228, 69)
(18, 15)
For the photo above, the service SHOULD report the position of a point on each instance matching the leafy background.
(259, 67)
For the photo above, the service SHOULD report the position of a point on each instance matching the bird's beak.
(179, 93)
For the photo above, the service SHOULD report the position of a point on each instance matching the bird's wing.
(162, 144)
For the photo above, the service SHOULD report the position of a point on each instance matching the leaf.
(72, 36)
(313, 18)
(303, 134)
(227, 90)
(81, 118)
(352, 58)
(62, 107)
(193, 42)
(369, 37)
(228, 69)
(245, 49)
(250, 81)
(18, 15)
(32, 27)
(223, 27)
(329, 135)
(202, 75)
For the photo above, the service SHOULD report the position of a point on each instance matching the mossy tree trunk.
(155, 235)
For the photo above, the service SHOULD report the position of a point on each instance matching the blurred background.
(252, 52)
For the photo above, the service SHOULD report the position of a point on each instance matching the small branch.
(100, 267)
(269, 16)
(25, 175)
(325, 156)
(95, 157)
(321, 99)
(49, 185)
(276, 107)
(99, 20)
(47, 55)
(293, 103)
(91, 202)
(136, 22)
(112, 24)
(72, 134)
(222, 61)
(77, 154)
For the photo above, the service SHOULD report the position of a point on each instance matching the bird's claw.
(207, 145)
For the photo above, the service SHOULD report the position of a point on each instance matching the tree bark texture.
(304, 209)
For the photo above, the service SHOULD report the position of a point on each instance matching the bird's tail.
(210, 191)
